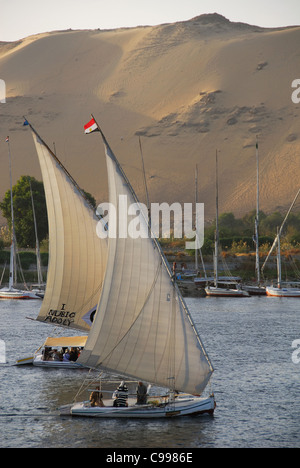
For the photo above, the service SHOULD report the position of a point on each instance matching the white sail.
(77, 257)
(142, 327)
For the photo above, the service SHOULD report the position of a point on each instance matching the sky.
(21, 18)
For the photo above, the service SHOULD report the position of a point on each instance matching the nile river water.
(256, 384)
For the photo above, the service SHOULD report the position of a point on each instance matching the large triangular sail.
(142, 328)
(77, 256)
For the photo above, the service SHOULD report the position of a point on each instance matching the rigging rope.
(139, 314)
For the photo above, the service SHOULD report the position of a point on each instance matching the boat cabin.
(60, 352)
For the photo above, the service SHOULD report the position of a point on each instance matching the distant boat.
(222, 292)
(227, 290)
(256, 289)
(12, 292)
(280, 290)
(143, 329)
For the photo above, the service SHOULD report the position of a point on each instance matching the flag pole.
(26, 122)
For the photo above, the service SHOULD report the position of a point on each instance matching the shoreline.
(237, 265)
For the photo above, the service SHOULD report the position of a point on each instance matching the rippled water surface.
(256, 384)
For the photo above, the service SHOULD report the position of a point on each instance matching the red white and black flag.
(91, 126)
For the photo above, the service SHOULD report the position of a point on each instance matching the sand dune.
(186, 89)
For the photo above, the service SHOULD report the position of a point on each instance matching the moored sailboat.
(256, 289)
(280, 290)
(143, 329)
(216, 290)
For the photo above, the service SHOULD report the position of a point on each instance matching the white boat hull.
(282, 292)
(38, 362)
(222, 292)
(182, 406)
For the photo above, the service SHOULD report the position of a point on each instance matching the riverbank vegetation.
(236, 235)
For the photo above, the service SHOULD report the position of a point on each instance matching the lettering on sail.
(60, 317)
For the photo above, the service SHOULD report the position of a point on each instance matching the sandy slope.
(185, 88)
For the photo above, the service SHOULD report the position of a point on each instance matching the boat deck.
(182, 406)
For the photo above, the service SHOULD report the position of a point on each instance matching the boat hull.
(282, 292)
(186, 406)
(38, 362)
(25, 361)
(255, 290)
(16, 294)
(222, 292)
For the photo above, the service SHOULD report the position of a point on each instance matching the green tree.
(23, 215)
(249, 222)
(270, 223)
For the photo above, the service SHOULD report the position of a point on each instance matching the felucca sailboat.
(77, 256)
(143, 329)
(282, 289)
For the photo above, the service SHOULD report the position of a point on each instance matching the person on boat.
(66, 356)
(96, 398)
(121, 396)
(46, 353)
(55, 355)
(141, 393)
(73, 355)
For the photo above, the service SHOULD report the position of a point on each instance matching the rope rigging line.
(137, 317)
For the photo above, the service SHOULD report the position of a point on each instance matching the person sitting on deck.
(121, 396)
(55, 355)
(96, 398)
(73, 355)
(46, 353)
(66, 356)
(141, 393)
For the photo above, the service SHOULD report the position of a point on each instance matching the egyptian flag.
(91, 126)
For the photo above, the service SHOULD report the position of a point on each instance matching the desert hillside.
(186, 89)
